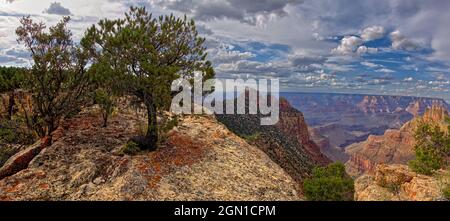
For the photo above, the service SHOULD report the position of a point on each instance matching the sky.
(396, 47)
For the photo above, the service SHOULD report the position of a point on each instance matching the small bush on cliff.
(432, 147)
(330, 183)
(106, 102)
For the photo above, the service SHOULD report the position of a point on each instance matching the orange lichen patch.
(14, 188)
(5, 198)
(179, 150)
(44, 186)
(154, 180)
(217, 135)
(143, 167)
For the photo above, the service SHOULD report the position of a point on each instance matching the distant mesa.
(339, 120)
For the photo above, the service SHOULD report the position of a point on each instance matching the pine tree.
(149, 53)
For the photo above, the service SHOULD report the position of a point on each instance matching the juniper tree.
(58, 78)
(149, 53)
(432, 148)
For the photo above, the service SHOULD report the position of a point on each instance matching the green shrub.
(431, 149)
(7, 135)
(12, 132)
(330, 183)
(394, 188)
(170, 124)
(131, 148)
(426, 162)
(251, 138)
(106, 102)
(5, 153)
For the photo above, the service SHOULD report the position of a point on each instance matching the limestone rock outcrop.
(398, 183)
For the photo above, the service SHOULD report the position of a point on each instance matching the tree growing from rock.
(149, 53)
(58, 79)
(432, 148)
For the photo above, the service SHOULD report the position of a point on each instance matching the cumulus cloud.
(373, 33)
(226, 54)
(400, 42)
(57, 9)
(348, 45)
(363, 50)
(351, 45)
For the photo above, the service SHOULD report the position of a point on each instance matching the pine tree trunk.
(151, 138)
(105, 119)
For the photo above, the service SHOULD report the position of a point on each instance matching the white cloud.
(338, 68)
(348, 46)
(385, 70)
(408, 79)
(363, 50)
(351, 45)
(226, 54)
(370, 64)
(400, 42)
(373, 33)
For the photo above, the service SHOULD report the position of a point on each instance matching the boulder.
(389, 176)
(21, 159)
(397, 182)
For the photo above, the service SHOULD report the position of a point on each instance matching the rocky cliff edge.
(199, 160)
